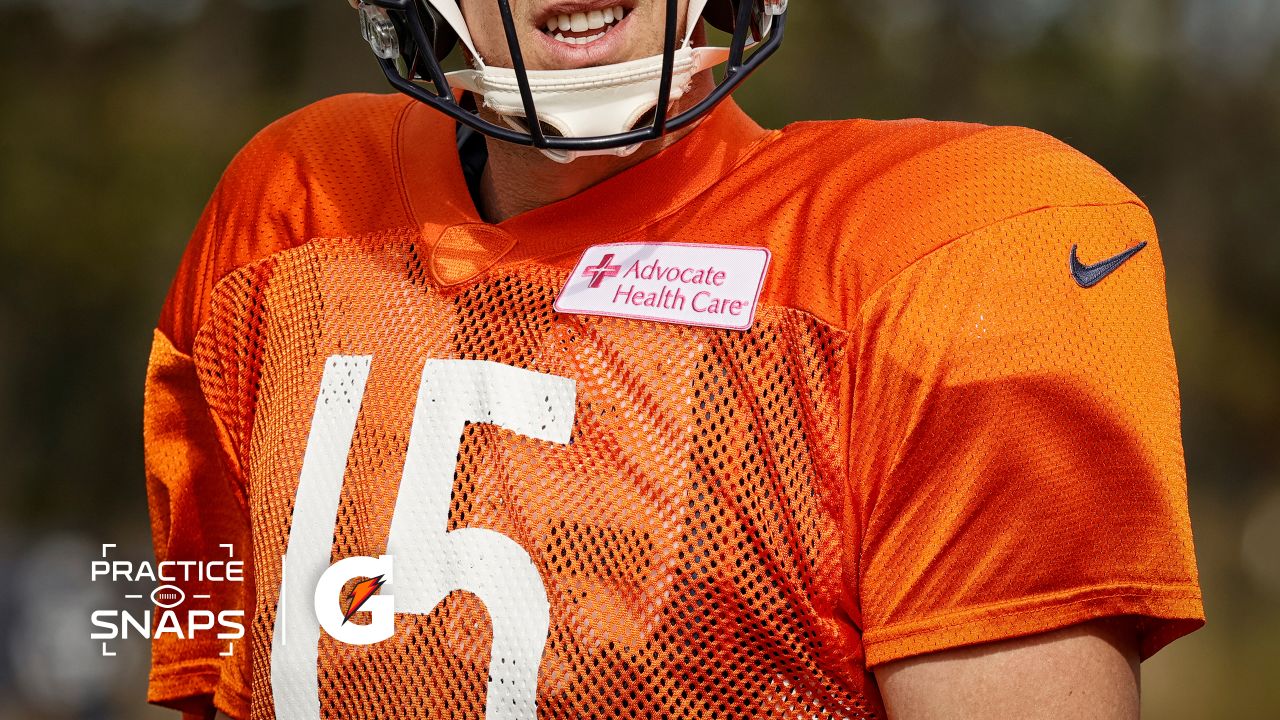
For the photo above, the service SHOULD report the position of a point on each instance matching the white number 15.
(429, 561)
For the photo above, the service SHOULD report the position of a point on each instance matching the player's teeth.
(583, 21)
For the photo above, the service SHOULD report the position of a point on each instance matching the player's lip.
(589, 46)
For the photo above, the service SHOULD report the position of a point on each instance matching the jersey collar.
(463, 245)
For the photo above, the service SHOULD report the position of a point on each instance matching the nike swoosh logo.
(1089, 275)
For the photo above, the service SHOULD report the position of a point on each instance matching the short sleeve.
(197, 514)
(1016, 441)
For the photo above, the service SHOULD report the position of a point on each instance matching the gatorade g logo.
(429, 560)
(334, 620)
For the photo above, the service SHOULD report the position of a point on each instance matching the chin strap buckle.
(378, 30)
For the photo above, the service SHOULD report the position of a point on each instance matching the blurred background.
(117, 117)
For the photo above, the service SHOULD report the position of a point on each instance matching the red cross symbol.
(605, 269)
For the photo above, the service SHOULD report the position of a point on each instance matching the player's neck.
(518, 179)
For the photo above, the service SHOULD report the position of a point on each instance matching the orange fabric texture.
(196, 508)
(931, 437)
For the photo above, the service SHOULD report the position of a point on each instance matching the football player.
(556, 387)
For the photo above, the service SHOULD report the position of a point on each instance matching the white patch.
(715, 286)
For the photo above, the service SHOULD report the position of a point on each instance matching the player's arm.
(1087, 671)
(1017, 451)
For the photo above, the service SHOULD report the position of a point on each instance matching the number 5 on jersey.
(429, 561)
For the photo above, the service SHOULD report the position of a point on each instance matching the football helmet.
(602, 110)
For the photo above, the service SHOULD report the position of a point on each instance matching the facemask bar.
(444, 100)
(522, 77)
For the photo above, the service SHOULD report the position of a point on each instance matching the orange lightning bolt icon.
(362, 592)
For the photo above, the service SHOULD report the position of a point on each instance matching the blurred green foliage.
(118, 117)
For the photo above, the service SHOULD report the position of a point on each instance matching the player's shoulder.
(875, 196)
(332, 119)
(337, 132)
(327, 170)
(959, 173)
(330, 169)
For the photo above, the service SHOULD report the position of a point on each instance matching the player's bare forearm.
(1085, 672)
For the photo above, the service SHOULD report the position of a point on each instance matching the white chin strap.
(585, 102)
(588, 102)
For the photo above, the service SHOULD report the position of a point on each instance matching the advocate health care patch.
(716, 286)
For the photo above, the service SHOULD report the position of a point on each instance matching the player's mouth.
(580, 33)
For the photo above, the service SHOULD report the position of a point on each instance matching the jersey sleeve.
(196, 492)
(1016, 438)
(198, 513)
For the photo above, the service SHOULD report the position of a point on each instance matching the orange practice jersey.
(931, 436)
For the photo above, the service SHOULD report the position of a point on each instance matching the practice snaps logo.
(714, 286)
(181, 613)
